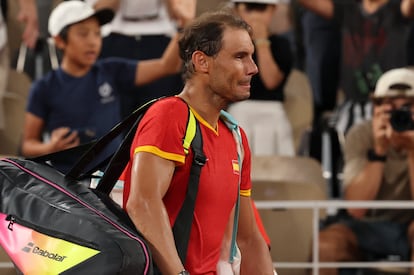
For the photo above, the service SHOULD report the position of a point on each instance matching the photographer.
(379, 162)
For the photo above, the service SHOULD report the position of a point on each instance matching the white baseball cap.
(395, 83)
(256, 1)
(74, 11)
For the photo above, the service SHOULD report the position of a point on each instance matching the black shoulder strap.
(129, 124)
(182, 225)
(87, 162)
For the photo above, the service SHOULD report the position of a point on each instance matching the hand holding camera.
(393, 121)
(393, 124)
(381, 127)
(259, 18)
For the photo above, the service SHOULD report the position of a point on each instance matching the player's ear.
(200, 61)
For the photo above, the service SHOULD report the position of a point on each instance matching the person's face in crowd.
(231, 70)
(84, 42)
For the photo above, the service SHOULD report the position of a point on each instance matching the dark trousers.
(322, 43)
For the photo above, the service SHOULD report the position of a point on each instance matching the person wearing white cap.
(80, 101)
(379, 165)
(263, 115)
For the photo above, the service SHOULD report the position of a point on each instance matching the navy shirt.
(89, 104)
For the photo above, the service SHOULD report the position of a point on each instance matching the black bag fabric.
(53, 225)
(50, 223)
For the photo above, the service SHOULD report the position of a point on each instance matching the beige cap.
(395, 83)
(71, 12)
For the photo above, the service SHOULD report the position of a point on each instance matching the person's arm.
(150, 179)
(411, 169)
(324, 8)
(153, 69)
(178, 9)
(170, 62)
(28, 15)
(32, 144)
(406, 141)
(269, 70)
(112, 4)
(255, 253)
(366, 184)
(407, 8)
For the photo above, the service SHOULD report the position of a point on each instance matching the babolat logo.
(32, 248)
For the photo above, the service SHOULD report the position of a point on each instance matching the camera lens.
(401, 120)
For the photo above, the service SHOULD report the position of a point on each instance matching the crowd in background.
(342, 47)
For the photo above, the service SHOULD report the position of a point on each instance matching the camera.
(401, 119)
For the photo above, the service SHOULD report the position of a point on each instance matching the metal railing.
(316, 206)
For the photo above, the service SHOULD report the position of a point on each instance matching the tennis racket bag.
(51, 223)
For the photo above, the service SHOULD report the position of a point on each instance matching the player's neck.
(202, 102)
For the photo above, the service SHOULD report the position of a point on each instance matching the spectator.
(79, 102)
(142, 30)
(379, 164)
(374, 40)
(322, 52)
(263, 116)
(217, 51)
(28, 15)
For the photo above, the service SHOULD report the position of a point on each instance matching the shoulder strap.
(232, 124)
(120, 159)
(88, 152)
(182, 226)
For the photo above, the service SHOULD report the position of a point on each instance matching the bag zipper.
(12, 219)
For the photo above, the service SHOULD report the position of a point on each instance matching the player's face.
(232, 69)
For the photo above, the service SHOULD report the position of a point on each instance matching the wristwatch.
(372, 156)
(184, 272)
